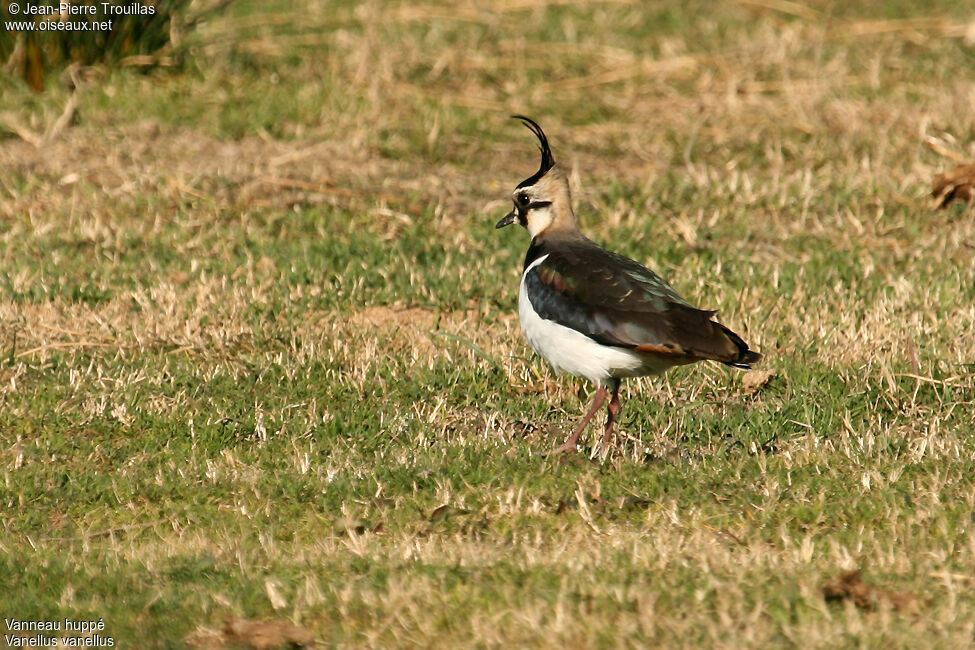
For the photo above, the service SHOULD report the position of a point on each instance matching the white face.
(534, 212)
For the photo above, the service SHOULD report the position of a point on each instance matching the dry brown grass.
(286, 334)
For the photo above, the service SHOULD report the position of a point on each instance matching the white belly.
(576, 353)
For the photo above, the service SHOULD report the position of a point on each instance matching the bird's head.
(542, 201)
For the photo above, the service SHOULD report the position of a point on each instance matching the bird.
(596, 314)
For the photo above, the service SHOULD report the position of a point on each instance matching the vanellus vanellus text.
(596, 314)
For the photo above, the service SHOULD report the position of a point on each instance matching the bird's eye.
(522, 199)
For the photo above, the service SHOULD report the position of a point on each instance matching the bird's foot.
(564, 448)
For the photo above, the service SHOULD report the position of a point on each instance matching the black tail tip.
(745, 357)
(745, 360)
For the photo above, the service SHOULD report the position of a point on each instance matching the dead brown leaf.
(444, 512)
(850, 586)
(956, 184)
(439, 513)
(753, 380)
(264, 635)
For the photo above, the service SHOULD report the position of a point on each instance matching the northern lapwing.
(596, 314)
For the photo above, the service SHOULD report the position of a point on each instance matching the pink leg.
(614, 410)
(570, 443)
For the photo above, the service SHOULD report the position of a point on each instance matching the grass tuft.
(260, 366)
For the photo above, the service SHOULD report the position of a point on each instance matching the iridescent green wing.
(616, 301)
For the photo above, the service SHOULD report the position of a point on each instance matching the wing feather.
(616, 301)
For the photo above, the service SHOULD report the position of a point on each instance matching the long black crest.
(548, 161)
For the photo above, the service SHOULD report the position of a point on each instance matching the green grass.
(259, 355)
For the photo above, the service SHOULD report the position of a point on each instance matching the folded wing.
(616, 301)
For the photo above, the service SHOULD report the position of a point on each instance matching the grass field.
(259, 356)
